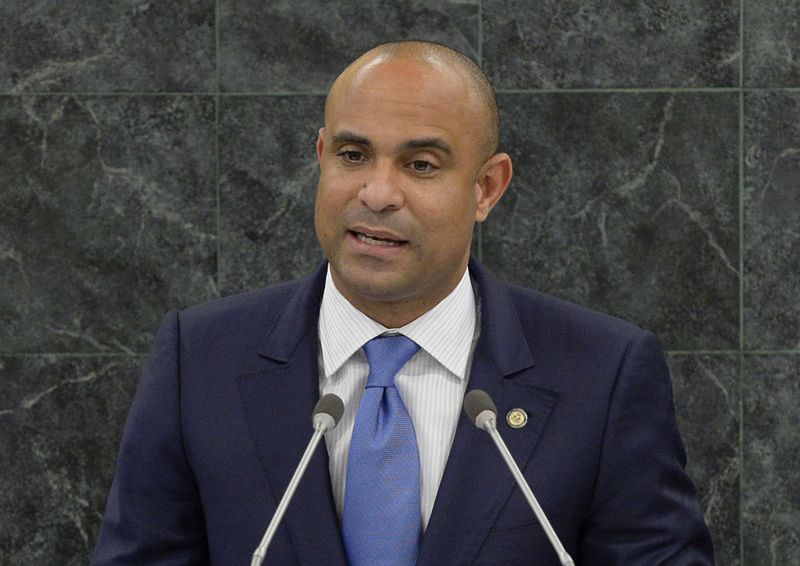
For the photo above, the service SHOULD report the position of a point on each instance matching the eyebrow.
(424, 143)
(350, 137)
(421, 143)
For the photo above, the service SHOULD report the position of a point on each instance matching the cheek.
(329, 198)
(336, 188)
(332, 201)
(449, 221)
(324, 209)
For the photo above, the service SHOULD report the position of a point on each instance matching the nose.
(380, 190)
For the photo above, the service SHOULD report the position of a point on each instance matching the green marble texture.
(154, 155)
(627, 203)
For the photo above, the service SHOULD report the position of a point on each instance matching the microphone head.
(476, 402)
(328, 410)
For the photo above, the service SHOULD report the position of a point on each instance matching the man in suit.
(408, 164)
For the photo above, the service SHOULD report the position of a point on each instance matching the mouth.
(376, 240)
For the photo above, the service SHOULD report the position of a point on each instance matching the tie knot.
(386, 355)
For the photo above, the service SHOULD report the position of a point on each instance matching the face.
(402, 183)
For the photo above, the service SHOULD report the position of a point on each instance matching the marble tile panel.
(109, 46)
(771, 502)
(772, 220)
(628, 204)
(268, 180)
(284, 45)
(707, 404)
(107, 218)
(60, 425)
(594, 43)
(771, 43)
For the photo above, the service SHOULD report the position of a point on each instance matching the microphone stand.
(482, 411)
(327, 413)
(490, 427)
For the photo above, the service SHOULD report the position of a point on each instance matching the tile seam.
(256, 93)
(73, 355)
(721, 353)
(632, 90)
(740, 409)
(702, 352)
(480, 34)
(741, 283)
(479, 231)
(218, 208)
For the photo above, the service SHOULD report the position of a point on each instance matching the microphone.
(327, 412)
(482, 411)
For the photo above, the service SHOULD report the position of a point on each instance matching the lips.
(377, 239)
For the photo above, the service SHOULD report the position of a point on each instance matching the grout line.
(631, 90)
(742, 340)
(742, 354)
(98, 94)
(216, 49)
(740, 409)
(702, 352)
(164, 93)
(635, 90)
(480, 34)
(668, 352)
(218, 211)
(255, 93)
(771, 352)
(277, 93)
(73, 355)
(479, 231)
(741, 44)
(741, 282)
(733, 352)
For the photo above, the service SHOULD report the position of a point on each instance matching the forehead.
(401, 97)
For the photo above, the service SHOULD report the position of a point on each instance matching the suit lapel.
(278, 402)
(476, 483)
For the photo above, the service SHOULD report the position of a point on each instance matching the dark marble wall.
(156, 154)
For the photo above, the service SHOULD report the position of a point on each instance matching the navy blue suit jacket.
(222, 416)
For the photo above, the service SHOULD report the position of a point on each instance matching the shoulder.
(562, 334)
(241, 321)
(562, 316)
(540, 314)
(241, 307)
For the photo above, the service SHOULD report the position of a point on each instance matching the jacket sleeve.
(153, 514)
(644, 509)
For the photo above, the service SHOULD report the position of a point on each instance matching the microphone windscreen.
(330, 404)
(476, 402)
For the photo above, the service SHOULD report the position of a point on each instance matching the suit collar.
(278, 401)
(502, 338)
(476, 484)
(298, 319)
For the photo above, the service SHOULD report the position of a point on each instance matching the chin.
(378, 290)
(374, 287)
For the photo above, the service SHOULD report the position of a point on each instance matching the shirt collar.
(446, 331)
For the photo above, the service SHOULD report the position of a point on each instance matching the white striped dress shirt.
(431, 384)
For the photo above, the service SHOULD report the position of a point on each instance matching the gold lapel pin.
(517, 418)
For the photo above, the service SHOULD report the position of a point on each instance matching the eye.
(351, 156)
(422, 166)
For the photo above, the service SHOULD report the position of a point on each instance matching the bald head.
(484, 112)
(408, 166)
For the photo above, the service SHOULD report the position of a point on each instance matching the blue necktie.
(381, 521)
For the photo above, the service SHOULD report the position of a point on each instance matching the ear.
(320, 143)
(493, 178)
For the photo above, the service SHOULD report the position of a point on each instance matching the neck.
(394, 313)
